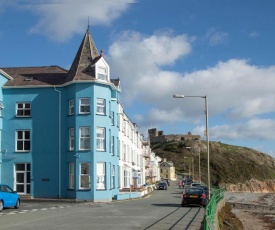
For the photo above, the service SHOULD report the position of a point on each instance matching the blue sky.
(222, 49)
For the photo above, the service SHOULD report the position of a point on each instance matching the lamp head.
(178, 96)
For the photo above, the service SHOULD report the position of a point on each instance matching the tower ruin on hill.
(158, 136)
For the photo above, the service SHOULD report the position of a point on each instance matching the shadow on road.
(166, 205)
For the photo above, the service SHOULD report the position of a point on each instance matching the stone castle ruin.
(158, 136)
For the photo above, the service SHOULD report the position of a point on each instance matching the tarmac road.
(160, 210)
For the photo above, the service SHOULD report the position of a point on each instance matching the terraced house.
(63, 132)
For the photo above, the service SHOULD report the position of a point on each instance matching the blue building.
(59, 128)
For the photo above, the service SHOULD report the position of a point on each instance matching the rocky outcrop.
(252, 185)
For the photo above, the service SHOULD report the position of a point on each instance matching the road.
(160, 210)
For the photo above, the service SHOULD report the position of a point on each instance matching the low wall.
(220, 205)
(134, 195)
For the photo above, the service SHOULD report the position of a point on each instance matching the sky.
(221, 49)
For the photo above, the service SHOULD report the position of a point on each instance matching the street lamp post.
(206, 133)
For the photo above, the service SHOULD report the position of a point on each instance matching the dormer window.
(102, 73)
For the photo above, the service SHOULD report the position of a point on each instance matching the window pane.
(100, 176)
(84, 168)
(20, 177)
(19, 112)
(85, 182)
(71, 168)
(100, 106)
(71, 107)
(71, 139)
(20, 167)
(84, 138)
(28, 189)
(100, 138)
(85, 101)
(20, 188)
(27, 112)
(20, 135)
(85, 175)
(71, 175)
(27, 135)
(85, 105)
(27, 145)
(85, 144)
(20, 145)
(28, 177)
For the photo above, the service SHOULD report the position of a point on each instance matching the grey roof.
(82, 69)
(166, 164)
(35, 76)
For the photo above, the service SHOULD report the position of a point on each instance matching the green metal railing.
(211, 208)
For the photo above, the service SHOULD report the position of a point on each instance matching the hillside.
(228, 164)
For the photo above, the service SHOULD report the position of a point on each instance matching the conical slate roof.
(82, 67)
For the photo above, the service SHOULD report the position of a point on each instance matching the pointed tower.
(83, 65)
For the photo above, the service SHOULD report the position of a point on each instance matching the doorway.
(23, 178)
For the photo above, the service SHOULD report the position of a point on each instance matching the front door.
(23, 178)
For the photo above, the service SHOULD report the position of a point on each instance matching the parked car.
(194, 196)
(167, 181)
(194, 184)
(162, 185)
(205, 188)
(188, 182)
(8, 197)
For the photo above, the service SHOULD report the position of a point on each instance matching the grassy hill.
(228, 164)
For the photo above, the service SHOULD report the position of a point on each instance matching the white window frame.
(112, 147)
(1, 108)
(102, 73)
(71, 107)
(71, 175)
(100, 139)
(112, 118)
(100, 106)
(113, 177)
(84, 138)
(84, 106)
(124, 152)
(23, 109)
(84, 175)
(126, 178)
(25, 141)
(100, 176)
(71, 139)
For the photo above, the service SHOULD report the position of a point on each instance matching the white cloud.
(216, 37)
(61, 19)
(138, 59)
(255, 128)
(236, 90)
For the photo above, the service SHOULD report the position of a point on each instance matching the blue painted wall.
(43, 155)
(3, 80)
(49, 155)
